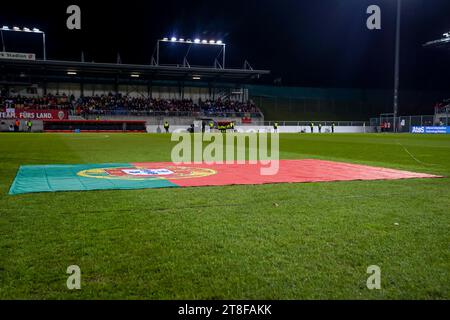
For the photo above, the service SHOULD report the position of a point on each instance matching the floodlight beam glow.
(24, 29)
(196, 41)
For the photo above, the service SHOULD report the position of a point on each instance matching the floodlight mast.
(3, 41)
(25, 29)
(195, 42)
(397, 63)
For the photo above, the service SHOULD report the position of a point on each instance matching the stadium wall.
(281, 129)
(155, 128)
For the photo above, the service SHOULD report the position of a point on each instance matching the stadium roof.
(53, 70)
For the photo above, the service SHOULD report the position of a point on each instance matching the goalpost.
(386, 122)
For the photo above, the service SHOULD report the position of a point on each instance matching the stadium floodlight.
(196, 40)
(135, 75)
(188, 41)
(195, 77)
(72, 73)
(25, 29)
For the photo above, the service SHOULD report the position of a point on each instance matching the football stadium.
(225, 165)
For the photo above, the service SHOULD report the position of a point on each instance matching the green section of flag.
(53, 178)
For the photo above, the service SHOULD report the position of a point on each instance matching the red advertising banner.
(246, 120)
(32, 114)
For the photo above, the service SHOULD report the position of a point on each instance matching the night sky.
(320, 43)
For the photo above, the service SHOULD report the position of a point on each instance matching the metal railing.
(316, 123)
(405, 123)
(147, 113)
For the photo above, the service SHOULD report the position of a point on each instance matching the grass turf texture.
(285, 241)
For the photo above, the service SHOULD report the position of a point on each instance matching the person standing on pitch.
(320, 127)
(275, 127)
(30, 125)
(312, 127)
(166, 126)
(332, 127)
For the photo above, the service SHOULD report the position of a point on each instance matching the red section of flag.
(299, 171)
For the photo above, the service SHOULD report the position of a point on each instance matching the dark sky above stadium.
(306, 43)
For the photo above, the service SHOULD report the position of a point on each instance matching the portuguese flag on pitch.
(83, 177)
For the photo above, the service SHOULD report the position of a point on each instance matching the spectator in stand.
(118, 104)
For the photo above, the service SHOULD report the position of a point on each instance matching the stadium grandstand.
(106, 92)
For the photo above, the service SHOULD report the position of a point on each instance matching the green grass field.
(284, 241)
